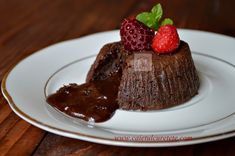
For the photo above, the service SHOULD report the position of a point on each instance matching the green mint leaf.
(155, 26)
(143, 17)
(146, 18)
(152, 19)
(166, 21)
(157, 12)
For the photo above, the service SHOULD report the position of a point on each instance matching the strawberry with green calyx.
(166, 39)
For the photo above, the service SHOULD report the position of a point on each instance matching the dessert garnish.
(153, 19)
(138, 33)
(166, 39)
(135, 35)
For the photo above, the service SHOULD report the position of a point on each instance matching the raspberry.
(166, 40)
(135, 35)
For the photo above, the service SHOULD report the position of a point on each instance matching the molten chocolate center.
(94, 101)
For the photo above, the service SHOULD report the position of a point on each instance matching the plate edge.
(40, 125)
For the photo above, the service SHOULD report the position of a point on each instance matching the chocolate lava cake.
(171, 81)
(150, 68)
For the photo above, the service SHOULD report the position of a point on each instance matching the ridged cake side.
(171, 81)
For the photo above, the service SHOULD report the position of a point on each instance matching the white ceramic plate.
(208, 116)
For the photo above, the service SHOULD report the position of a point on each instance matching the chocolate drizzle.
(93, 101)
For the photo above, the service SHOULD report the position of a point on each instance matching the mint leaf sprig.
(153, 19)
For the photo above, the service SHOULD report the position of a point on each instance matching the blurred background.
(28, 25)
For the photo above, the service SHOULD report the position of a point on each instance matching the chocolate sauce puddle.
(94, 101)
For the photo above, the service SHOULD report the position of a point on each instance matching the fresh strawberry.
(166, 39)
(135, 35)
